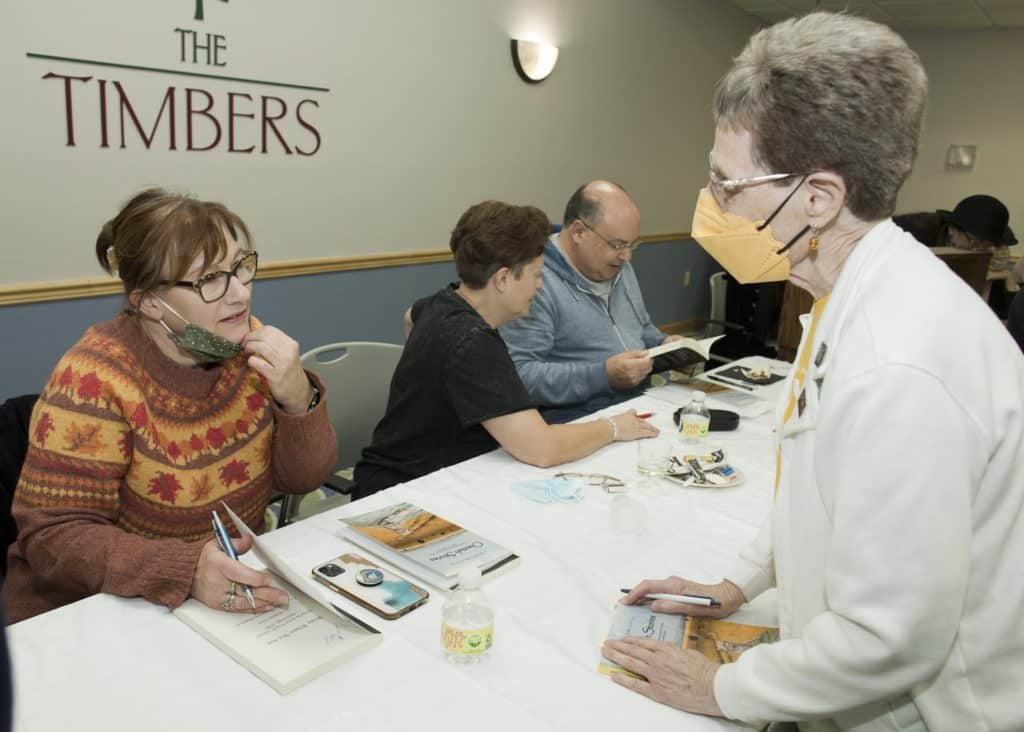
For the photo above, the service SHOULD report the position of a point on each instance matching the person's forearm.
(548, 445)
(305, 449)
(573, 441)
(76, 552)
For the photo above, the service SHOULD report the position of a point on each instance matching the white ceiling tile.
(1007, 17)
(950, 23)
(754, 4)
(901, 11)
(798, 6)
(774, 16)
(929, 3)
(902, 14)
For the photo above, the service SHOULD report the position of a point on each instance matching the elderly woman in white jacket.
(897, 531)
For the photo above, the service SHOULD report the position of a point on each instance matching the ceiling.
(902, 14)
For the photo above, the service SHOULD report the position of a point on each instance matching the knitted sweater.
(128, 454)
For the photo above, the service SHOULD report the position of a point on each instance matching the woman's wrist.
(615, 428)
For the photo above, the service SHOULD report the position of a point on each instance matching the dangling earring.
(813, 242)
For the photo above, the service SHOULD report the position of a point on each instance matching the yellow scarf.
(803, 362)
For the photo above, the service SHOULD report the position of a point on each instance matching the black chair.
(15, 414)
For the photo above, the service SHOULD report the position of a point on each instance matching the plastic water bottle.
(694, 421)
(467, 621)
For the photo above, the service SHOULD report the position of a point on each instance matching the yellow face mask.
(745, 249)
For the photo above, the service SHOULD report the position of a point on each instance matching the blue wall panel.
(318, 309)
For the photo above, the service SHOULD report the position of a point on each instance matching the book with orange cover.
(425, 544)
(722, 641)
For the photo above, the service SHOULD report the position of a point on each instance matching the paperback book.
(424, 544)
(721, 641)
(285, 647)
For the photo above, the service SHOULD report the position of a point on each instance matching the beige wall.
(425, 116)
(976, 98)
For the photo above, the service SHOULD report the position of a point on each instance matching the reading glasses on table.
(594, 479)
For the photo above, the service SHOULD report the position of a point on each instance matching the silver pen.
(228, 548)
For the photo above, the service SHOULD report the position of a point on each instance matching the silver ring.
(229, 601)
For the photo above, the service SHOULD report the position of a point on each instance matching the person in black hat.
(977, 222)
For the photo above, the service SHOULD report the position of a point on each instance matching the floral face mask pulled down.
(202, 345)
(745, 249)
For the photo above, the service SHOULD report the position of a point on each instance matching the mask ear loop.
(175, 313)
(775, 213)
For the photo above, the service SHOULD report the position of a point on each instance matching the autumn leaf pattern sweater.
(128, 454)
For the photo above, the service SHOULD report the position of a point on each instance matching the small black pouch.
(722, 420)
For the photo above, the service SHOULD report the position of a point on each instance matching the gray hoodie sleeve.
(530, 340)
(651, 335)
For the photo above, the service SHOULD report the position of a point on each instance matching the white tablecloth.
(115, 664)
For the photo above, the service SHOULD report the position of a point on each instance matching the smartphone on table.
(373, 587)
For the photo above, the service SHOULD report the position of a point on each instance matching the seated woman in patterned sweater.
(153, 418)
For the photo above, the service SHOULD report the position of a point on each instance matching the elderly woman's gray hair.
(830, 91)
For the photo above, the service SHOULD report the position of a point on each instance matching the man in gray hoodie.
(582, 346)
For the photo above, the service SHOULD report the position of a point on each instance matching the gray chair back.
(358, 378)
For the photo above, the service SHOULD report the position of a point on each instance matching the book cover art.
(721, 641)
(641, 622)
(403, 526)
(426, 539)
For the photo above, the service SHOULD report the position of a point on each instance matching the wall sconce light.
(534, 61)
(961, 157)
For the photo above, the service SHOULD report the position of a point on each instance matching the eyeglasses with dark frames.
(212, 286)
(618, 245)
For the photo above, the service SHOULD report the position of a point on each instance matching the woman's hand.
(725, 592)
(682, 679)
(276, 357)
(218, 578)
(630, 427)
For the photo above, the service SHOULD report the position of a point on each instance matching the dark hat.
(984, 217)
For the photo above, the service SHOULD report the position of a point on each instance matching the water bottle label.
(466, 642)
(694, 428)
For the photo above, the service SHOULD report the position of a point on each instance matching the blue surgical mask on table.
(550, 490)
(202, 345)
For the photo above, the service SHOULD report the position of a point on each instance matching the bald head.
(599, 201)
(602, 224)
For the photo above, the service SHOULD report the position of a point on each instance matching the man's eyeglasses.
(616, 244)
(213, 286)
(597, 480)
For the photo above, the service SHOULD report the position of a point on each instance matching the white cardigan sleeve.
(898, 458)
(754, 569)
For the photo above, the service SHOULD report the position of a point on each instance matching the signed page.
(286, 647)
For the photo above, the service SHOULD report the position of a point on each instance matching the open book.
(286, 647)
(424, 544)
(721, 641)
(700, 347)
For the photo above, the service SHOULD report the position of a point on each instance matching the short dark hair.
(584, 206)
(491, 235)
